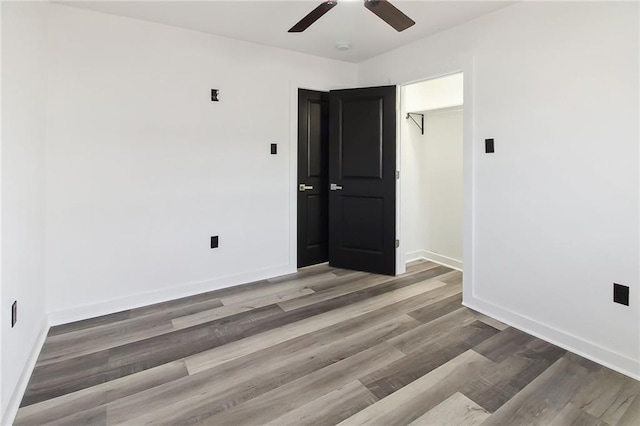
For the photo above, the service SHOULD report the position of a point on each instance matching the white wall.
(442, 186)
(555, 210)
(142, 168)
(22, 189)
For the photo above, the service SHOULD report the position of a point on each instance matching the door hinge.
(397, 174)
(397, 243)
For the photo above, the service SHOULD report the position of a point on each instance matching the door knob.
(304, 187)
(335, 187)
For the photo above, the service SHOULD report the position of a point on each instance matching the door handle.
(304, 187)
(335, 187)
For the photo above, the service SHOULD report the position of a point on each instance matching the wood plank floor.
(323, 346)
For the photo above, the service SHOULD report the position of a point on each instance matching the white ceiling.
(266, 22)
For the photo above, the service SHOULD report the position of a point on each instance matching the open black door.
(362, 175)
(313, 177)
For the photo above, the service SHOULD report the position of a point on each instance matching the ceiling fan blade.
(389, 14)
(313, 16)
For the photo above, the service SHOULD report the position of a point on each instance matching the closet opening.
(431, 169)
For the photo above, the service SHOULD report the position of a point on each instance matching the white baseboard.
(613, 360)
(435, 258)
(131, 302)
(414, 255)
(18, 392)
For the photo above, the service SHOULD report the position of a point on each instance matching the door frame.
(465, 66)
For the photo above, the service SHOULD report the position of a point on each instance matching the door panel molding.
(370, 137)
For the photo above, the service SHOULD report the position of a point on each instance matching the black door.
(362, 164)
(313, 177)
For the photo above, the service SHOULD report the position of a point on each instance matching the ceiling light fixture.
(343, 46)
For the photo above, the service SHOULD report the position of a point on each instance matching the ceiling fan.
(382, 8)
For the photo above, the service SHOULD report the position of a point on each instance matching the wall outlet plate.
(214, 241)
(274, 148)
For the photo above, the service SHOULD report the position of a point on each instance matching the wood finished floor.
(321, 347)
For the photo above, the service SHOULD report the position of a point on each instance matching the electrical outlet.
(274, 148)
(14, 313)
(214, 241)
(621, 294)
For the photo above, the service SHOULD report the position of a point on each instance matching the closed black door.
(362, 164)
(313, 177)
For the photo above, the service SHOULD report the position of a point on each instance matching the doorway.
(357, 183)
(431, 164)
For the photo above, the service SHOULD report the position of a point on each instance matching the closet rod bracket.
(420, 124)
